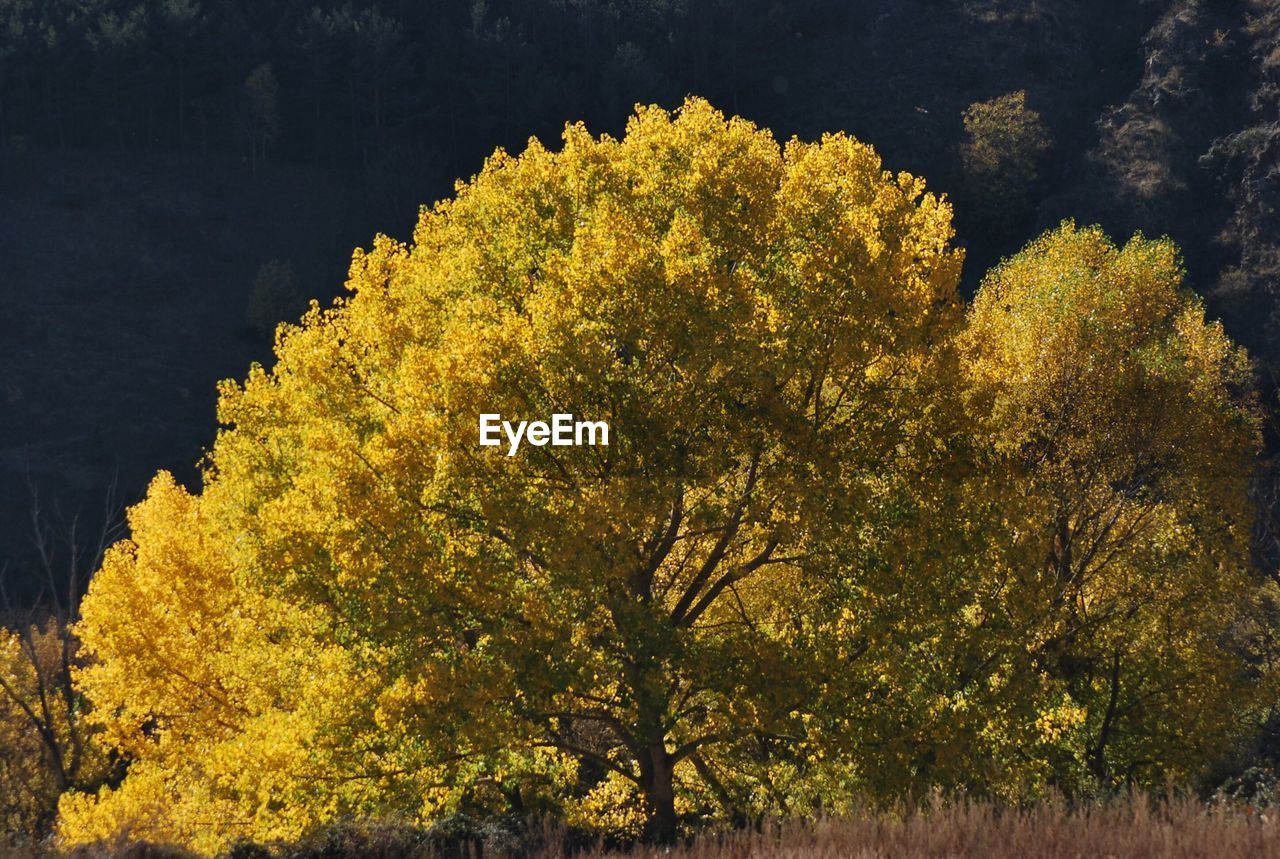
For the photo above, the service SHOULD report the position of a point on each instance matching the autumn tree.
(1120, 418)
(843, 540)
(47, 746)
(757, 324)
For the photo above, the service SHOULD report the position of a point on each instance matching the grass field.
(1137, 828)
(1130, 830)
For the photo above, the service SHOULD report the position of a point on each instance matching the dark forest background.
(176, 175)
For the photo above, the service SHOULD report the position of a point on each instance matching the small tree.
(260, 115)
(1004, 143)
(47, 747)
(43, 741)
(275, 297)
(1114, 410)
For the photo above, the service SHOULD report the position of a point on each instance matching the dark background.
(156, 154)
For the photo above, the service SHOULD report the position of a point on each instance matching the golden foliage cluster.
(850, 538)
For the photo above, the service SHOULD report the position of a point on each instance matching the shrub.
(275, 297)
(1004, 142)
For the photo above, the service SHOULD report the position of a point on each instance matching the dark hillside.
(903, 74)
(125, 286)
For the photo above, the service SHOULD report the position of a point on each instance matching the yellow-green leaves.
(1116, 410)
(841, 540)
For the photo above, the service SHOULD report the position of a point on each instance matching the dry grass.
(1130, 829)
(1137, 829)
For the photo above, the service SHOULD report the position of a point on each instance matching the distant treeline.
(366, 83)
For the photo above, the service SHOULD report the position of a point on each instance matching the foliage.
(1002, 149)
(214, 690)
(274, 299)
(45, 748)
(664, 602)
(845, 540)
(1120, 415)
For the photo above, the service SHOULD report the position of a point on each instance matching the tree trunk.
(659, 790)
(1098, 754)
(182, 102)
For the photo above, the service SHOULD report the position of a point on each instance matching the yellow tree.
(44, 747)
(47, 746)
(838, 541)
(1118, 418)
(758, 325)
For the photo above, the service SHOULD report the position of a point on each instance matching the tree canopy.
(846, 539)
(1122, 417)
